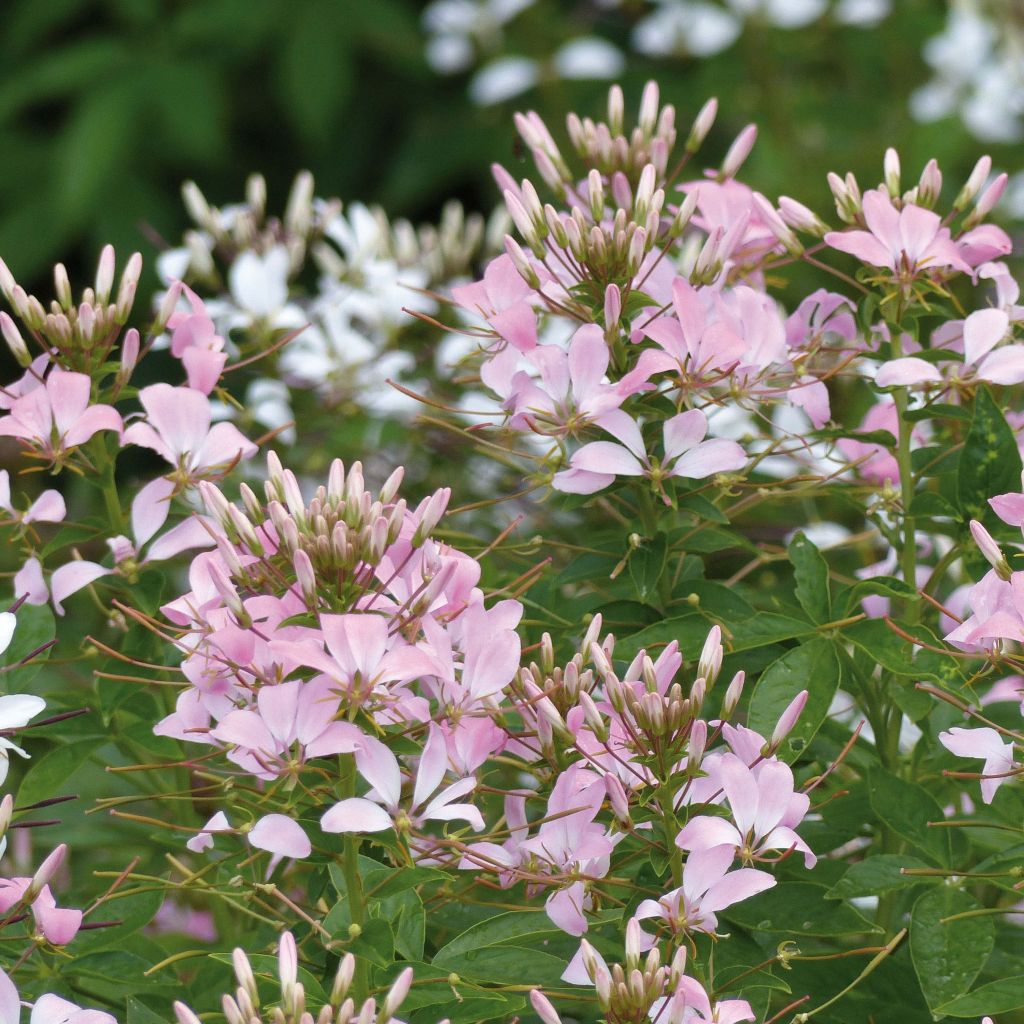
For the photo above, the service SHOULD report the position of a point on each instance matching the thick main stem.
(353, 880)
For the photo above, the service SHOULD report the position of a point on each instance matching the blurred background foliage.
(106, 106)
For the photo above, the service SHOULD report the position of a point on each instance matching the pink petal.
(983, 330)
(910, 370)
(151, 506)
(379, 767)
(709, 457)
(606, 457)
(280, 835)
(356, 815)
(565, 909)
(432, 767)
(49, 507)
(186, 536)
(683, 432)
(861, 244)
(93, 420)
(71, 578)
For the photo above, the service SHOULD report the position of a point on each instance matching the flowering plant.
(692, 736)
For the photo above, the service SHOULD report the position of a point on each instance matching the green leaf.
(506, 948)
(140, 1013)
(996, 997)
(907, 808)
(813, 666)
(878, 874)
(948, 957)
(990, 463)
(884, 586)
(35, 627)
(376, 942)
(51, 774)
(646, 565)
(811, 572)
(798, 908)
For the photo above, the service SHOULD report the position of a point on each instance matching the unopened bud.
(45, 872)
(733, 694)
(702, 125)
(595, 196)
(974, 184)
(198, 208)
(522, 262)
(684, 214)
(788, 719)
(698, 744)
(129, 285)
(891, 168)
(800, 217)
(738, 153)
(987, 202)
(396, 994)
(930, 184)
(543, 1008)
(991, 550)
(243, 972)
(129, 354)
(15, 342)
(305, 577)
(298, 214)
(649, 102)
(105, 275)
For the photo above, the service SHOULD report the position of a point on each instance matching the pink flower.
(381, 809)
(986, 744)
(48, 1008)
(686, 454)
(177, 427)
(57, 417)
(276, 833)
(59, 926)
(764, 809)
(49, 507)
(907, 241)
(194, 340)
(571, 392)
(708, 886)
(997, 613)
(287, 715)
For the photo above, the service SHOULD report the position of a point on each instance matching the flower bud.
(305, 576)
(891, 168)
(788, 719)
(595, 195)
(733, 694)
(987, 202)
(710, 661)
(698, 744)
(129, 354)
(738, 153)
(649, 102)
(684, 214)
(702, 125)
(991, 550)
(243, 972)
(128, 287)
(298, 214)
(184, 1014)
(198, 208)
(973, 185)
(105, 275)
(522, 262)
(45, 872)
(800, 217)
(15, 342)
(930, 184)
(396, 994)
(543, 1008)
(612, 307)
(343, 979)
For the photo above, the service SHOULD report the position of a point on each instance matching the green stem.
(353, 881)
(671, 830)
